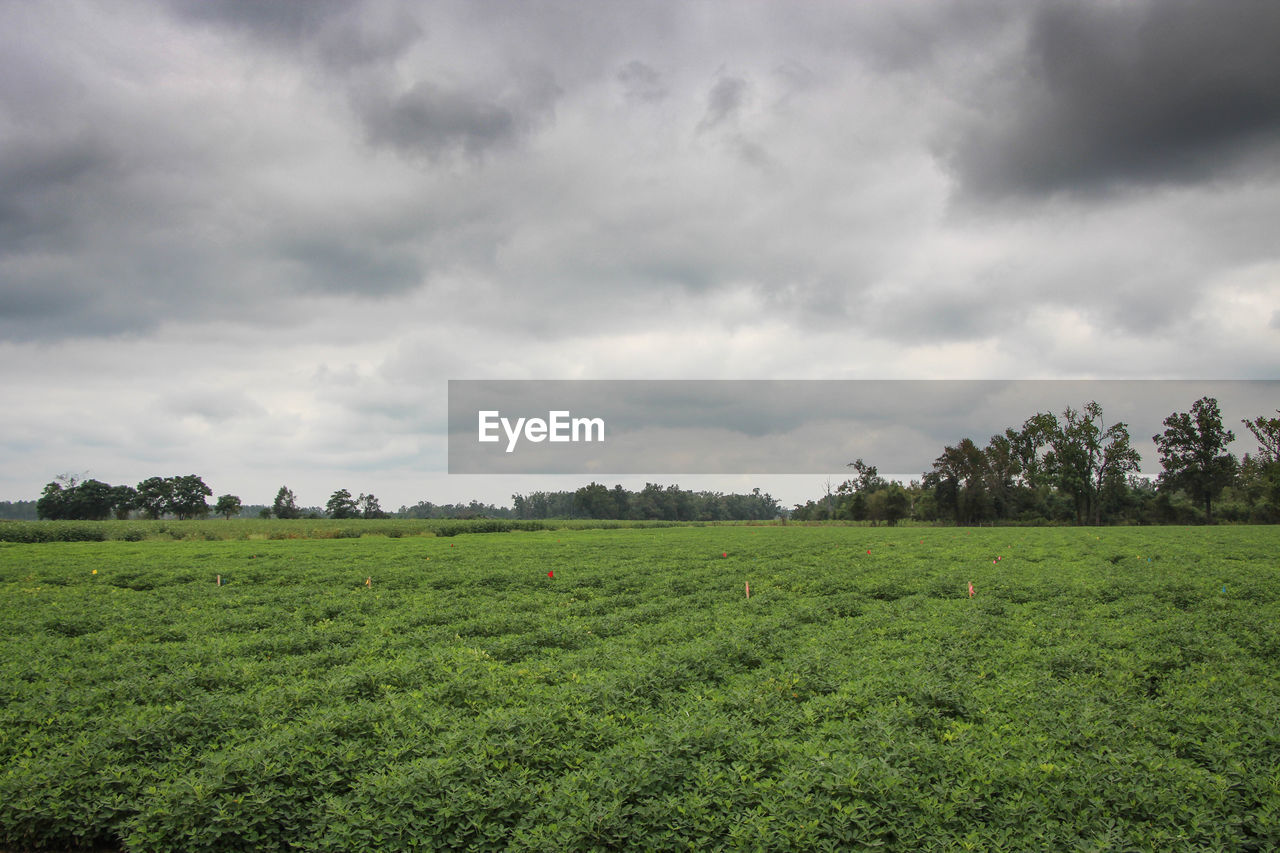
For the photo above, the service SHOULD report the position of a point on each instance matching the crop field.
(1108, 689)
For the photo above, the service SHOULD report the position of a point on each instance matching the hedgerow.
(311, 528)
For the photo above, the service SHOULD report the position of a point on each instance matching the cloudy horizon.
(254, 241)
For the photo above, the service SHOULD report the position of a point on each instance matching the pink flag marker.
(971, 589)
(748, 589)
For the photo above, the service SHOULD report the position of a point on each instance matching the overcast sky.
(254, 240)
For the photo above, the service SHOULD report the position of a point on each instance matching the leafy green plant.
(588, 688)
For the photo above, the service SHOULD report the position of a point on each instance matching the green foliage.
(342, 505)
(227, 506)
(154, 495)
(1193, 452)
(286, 505)
(267, 528)
(69, 499)
(1108, 689)
(187, 497)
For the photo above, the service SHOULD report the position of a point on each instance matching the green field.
(1107, 689)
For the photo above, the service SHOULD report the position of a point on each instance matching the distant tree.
(124, 499)
(342, 505)
(868, 479)
(188, 494)
(1267, 432)
(1082, 456)
(155, 494)
(1193, 451)
(857, 508)
(286, 505)
(958, 481)
(19, 510)
(92, 500)
(227, 506)
(52, 503)
(621, 501)
(1001, 468)
(896, 503)
(1030, 445)
(1108, 457)
(67, 498)
(595, 501)
(1264, 472)
(369, 507)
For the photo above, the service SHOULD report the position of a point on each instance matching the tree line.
(1076, 467)
(1072, 467)
(653, 502)
(68, 498)
(183, 497)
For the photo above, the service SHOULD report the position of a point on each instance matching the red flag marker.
(551, 574)
(868, 550)
(971, 589)
(725, 554)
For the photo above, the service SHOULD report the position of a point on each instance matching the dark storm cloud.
(1128, 93)
(41, 180)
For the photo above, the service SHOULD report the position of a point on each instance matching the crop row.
(583, 689)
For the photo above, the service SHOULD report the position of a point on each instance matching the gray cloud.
(641, 83)
(429, 120)
(1127, 94)
(340, 33)
(724, 101)
(213, 405)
